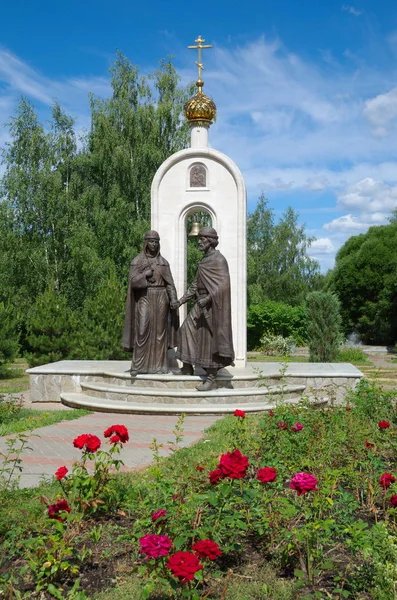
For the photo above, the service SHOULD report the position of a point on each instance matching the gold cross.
(200, 45)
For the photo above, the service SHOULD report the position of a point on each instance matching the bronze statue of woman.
(151, 316)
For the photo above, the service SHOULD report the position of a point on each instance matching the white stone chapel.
(201, 179)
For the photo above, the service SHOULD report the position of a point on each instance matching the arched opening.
(193, 253)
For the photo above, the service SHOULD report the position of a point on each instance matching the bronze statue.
(151, 316)
(205, 337)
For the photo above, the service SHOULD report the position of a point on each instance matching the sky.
(306, 91)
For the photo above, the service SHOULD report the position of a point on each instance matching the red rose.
(297, 427)
(58, 507)
(282, 425)
(207, 549)
(271, 413)
(114, 439)
(199, 468)
(393, 500)
(383, 424)
(91, 442)
(80, 441)
(348, 408)
(303, 483)
(369, 444)
(215, 476)
(120, 430)
(158, 514)
(386, 480)
(239, 413)
(60, 473)
(155, 545)
(233, 465)
(184, 565)
(266, 475)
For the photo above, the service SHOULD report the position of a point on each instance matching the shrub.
(275, 318)
(275, 345)
(9, 408)
(324, 326)
(98, 336)
(8, 337)
(49, 324)
(354, 355)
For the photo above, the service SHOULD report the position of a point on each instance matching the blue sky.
(306, 90)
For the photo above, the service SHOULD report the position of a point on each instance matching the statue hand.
(202, 302)
(175, 305)
(148, 273)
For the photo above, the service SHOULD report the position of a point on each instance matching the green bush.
(8, 337)
(324, 326)
(99, 334)
(353, 355)
(275, 345)
(50, 324)
(276, 318)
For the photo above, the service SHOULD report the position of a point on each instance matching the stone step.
(188, 396)
(173, 381)
(104, 405)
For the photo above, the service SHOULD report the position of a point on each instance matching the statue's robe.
(150, 326)
(205, 338)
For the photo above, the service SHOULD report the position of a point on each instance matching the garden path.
(52, 446)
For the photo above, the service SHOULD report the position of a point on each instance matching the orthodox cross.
(199, 47)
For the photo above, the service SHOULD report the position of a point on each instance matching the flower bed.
(309, 497)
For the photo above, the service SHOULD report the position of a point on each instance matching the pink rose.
(303, 483)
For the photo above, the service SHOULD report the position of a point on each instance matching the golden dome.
(200, 107)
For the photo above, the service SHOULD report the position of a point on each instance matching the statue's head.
(152, 242)
(210, 234)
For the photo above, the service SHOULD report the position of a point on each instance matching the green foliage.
(70, 219)
(278, 266)
(276, 318)
(10, 408)
(8, 337)
(365, 280)
(275, 345)
(100, 327)
(49, 325)
(338, 541)
(324, 326)
(352, 355)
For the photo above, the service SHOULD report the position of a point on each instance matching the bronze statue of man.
(205, 337)
(151, 316)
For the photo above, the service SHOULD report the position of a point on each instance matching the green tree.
(8, 337)
(100, 326)
(278, 266)
(365, 280)
(50, 327)
(323, 326)
(68, 216)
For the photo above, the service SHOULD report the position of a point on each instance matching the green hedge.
(277, 318)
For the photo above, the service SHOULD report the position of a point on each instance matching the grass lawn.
(297, 513)
(254, 357)
(15, 380)
(27, 419)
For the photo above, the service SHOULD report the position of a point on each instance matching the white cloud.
(351, 10)
(381, 112)
(352, 225)
(369, 196)
(322, 246)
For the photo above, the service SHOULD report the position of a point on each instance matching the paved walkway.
(52, 446)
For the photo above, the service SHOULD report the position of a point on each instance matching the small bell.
(195, 227)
